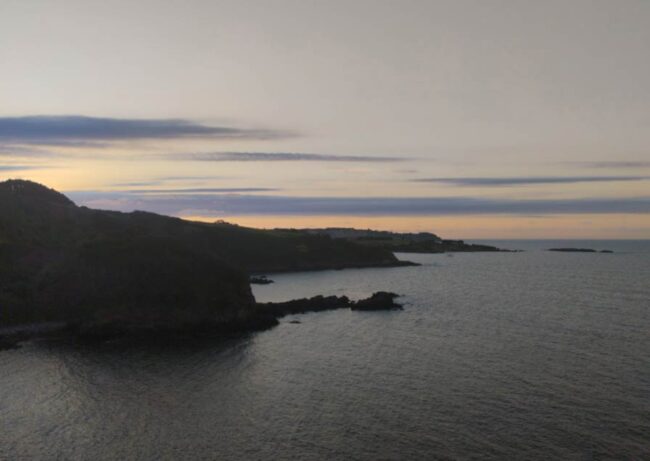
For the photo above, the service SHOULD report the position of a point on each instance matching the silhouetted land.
(379, 301)
(421, 242)
(102, 271)
(579, 250)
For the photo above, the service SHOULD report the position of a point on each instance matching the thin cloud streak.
(612, 164)
(10, 150)
(190, 178)
(220, 204)
(19, 167)
(205, 190)
(166, 180)
(280, 157)
(137, 184)
(496, 182)
(75, 130)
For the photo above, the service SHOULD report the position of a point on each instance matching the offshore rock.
(382, 300)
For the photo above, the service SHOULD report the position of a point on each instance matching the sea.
(533, 355)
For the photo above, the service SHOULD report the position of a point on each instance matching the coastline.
(265, 316)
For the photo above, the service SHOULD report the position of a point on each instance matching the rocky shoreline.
(380, 300)
(266, 316)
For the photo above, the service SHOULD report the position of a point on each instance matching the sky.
(471, 119)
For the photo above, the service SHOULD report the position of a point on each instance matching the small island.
(579, 250)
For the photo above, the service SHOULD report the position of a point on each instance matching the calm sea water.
(530, 355)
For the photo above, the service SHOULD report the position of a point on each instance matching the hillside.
(34, 215)
(61, 262)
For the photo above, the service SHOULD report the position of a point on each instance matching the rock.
(300, 306)
(295, 322)
(261, 280)
(382, 300)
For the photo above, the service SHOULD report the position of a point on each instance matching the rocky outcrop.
(379, 301)
(260, 280)
(301, 306)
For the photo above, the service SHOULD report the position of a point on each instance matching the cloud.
(80, 130)
(280, 157)
(166, 180)
(189, 178)
(613, 164)
(19, 167)
(10, 150)
(137, 184)
(495, 182)
(205, 190)
(234, 204)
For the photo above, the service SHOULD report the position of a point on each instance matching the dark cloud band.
(205, 190)
(19, 167)
(280, 157)
(495, 182)
(220, 204)
(78, 130)
(612, 164)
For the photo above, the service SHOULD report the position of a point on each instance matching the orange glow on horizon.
(583, 226)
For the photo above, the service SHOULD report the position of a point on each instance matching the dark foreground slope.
(60, 262)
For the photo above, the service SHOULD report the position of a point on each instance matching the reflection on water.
(517, 356)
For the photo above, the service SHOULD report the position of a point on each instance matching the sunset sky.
(471, 119)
